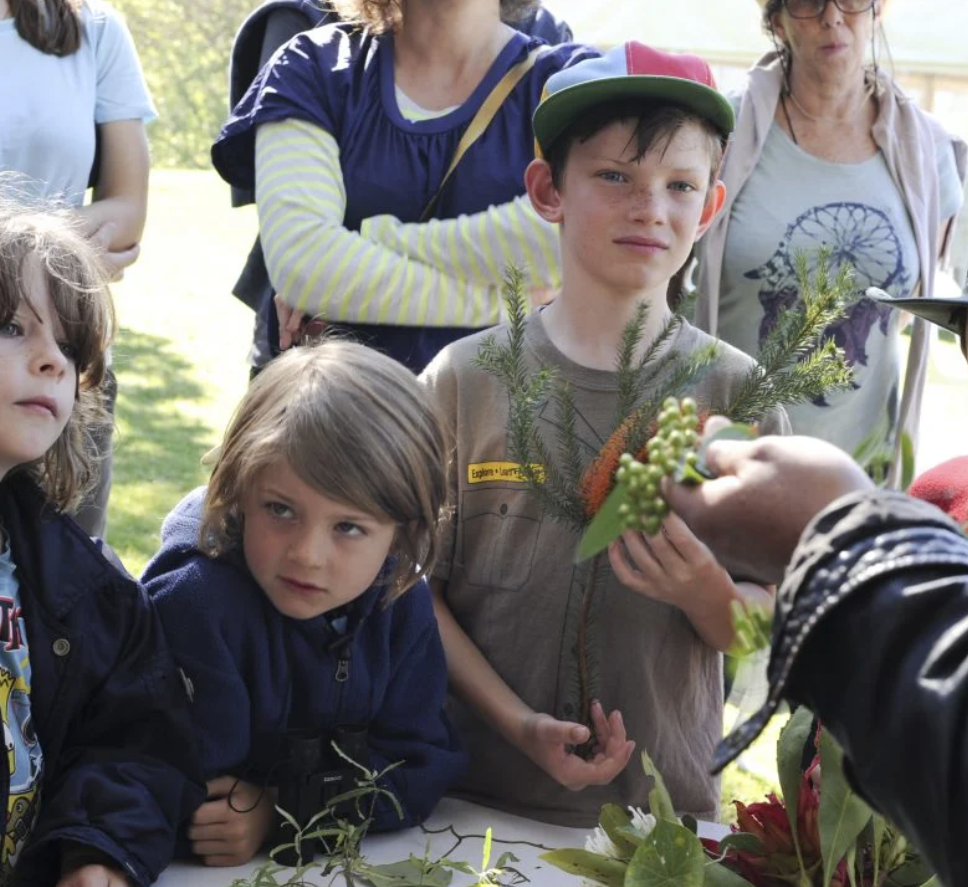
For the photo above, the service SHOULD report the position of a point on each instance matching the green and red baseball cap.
(630, 71)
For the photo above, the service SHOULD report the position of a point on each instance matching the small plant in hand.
(821, 835)
(575, 480)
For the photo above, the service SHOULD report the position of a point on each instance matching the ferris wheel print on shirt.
(856, 234)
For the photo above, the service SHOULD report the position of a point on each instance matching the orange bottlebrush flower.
(599, 477)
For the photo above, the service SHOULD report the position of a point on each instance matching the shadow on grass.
(158, 444)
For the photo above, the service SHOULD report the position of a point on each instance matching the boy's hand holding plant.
(550, 743)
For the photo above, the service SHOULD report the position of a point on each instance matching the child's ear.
(714, 203)
(541, 189)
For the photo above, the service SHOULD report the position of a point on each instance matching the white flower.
(599, 842)
(643, 823)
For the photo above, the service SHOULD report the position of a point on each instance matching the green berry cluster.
(673, 445)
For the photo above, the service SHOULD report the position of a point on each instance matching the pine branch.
(628, 385)
(568, 446)
(681, 374)
(792, 366)
(648, 369)
(528, 391)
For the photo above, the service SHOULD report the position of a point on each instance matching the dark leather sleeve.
(872, 636)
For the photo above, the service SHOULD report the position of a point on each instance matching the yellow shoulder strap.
(483, 117)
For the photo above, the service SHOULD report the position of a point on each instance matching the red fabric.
(642, 59)
(946, 486)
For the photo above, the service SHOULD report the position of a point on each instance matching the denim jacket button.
(62, 647)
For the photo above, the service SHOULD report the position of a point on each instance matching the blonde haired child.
(282, 584)
(94, 715)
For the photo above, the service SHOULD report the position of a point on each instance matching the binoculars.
(312, 775)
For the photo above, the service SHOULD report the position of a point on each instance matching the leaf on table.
(742, 841)
(585, 864)
(718, 875)
(413, 872)
(671, 856)
(616, 822)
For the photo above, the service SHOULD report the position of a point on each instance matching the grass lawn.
(181, 365)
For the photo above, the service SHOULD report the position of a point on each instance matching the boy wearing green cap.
(631, 145)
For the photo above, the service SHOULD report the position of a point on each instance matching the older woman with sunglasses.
(829, 152)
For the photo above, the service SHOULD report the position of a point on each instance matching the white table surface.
(509, 833)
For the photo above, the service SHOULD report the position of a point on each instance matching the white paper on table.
(525, 838)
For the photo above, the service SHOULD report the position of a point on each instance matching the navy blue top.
(340, 78)
(257, 673)
(108, 708)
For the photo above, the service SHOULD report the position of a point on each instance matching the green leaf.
(852, 864)
(743, 841)
(669, 857)
(717, 875)
(879, 829)
(789, 752)
(690, 822)
(413, 872)
(907, 460)
(584, 864)
(486, 855)
(615, 821)
(660, 803)
(605, 527)
(843, 815)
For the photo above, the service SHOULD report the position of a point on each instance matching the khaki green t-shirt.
(513, 587)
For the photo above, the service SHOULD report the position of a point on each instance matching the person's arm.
(479, 246)
(873, 638)
(764, 494)
(410, 726)
(126, 776)
(237, 816)
(545, 740)
(115, 218)
(321, 268)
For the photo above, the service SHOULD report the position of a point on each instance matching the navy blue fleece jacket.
(257, 673)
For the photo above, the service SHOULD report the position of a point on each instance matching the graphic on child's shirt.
(24, 758)
(856, 234)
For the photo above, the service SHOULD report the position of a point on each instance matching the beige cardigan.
(908, 138)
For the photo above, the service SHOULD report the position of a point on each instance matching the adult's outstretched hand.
(765, 493)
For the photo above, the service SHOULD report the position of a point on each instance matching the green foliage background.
(184, 48)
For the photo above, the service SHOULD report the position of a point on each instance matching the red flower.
(775, 863)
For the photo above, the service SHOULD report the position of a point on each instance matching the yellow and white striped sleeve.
(479, 246)
(325, 270)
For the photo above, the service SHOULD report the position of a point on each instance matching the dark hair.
(78, 290)
(656, 124)
(52, 26)
(772, 8)
(381, 16)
